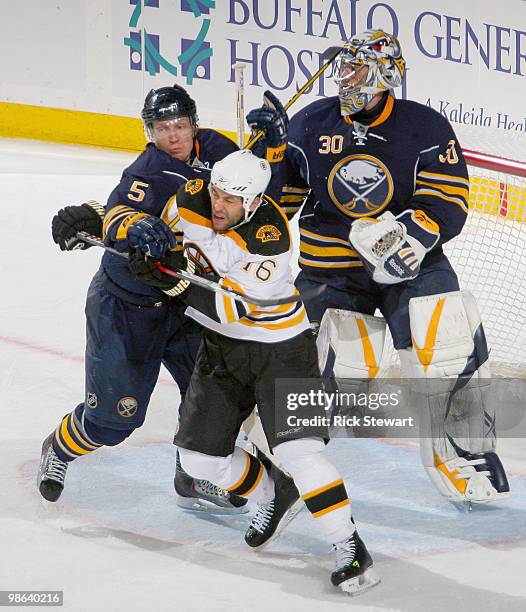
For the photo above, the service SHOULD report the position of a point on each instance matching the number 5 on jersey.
(137, 191)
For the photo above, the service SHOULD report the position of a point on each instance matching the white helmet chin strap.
(248, 213)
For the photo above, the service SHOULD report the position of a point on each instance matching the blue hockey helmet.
(168, 103)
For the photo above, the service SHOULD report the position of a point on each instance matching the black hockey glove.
(143, 268)
(272, 119)
(68, 221)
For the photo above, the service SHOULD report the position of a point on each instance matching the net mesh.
(489, 255)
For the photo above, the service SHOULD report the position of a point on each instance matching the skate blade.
(287, 518)
(195, 504)
(359, 584)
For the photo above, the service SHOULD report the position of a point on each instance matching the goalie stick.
(207, 283)
(331, 53)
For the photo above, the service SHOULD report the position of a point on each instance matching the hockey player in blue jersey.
(385, 185)
(132, 328)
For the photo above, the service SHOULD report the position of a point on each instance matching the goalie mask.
(370, 63)
(167, 103)
(242, 174)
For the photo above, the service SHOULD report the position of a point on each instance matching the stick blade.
(330, 52)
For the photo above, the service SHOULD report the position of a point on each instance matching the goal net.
(489, 255)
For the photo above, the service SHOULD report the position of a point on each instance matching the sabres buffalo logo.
(194, 186)
(267, 233)
(360, 185)
(127, 407)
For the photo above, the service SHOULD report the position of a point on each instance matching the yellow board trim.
(74, 127)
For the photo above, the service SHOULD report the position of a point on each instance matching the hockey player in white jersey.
(244, 239)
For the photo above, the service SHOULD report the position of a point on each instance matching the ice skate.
(271, 518)
(353, 573)
(203, 496)
(52, 471)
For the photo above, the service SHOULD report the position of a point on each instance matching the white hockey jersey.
(254, 259)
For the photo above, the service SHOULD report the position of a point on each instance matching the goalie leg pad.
(457, 421)
(350, 344)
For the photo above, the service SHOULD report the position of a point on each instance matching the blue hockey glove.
(151, 235)
(272, 119)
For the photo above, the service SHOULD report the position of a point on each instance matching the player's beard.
(222, 222)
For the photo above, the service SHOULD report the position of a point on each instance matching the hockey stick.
(314, 77)
(240, 103)
(207, 283)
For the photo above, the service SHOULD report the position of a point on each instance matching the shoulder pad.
(193, 195)
(324, 112)
(267, 233)
(213, 146)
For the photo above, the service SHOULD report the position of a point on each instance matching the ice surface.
(116, 540)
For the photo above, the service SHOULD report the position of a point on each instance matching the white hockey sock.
(320, 486)
(240, 473)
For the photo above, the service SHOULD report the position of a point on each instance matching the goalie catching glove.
(392, 248)
(272, 119)
(144, 269)
(68, 221)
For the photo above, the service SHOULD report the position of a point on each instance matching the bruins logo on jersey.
(194, 186)
(360, 185)
(267, 233)
(199, 258)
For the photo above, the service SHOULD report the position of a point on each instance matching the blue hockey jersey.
(408, 158)
(145, 188)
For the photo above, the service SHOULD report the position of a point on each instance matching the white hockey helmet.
(242, 174)
(370, 63)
